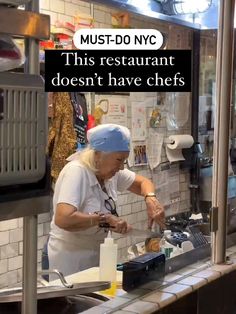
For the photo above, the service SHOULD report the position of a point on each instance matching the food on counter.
(152, 245)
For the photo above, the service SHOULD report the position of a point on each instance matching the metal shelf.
(24, 23)
(31, 26)
(25, 207)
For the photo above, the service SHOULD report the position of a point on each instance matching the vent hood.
(157, 9)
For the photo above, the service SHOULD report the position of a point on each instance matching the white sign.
(118, 39)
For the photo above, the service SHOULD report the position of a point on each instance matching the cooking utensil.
(134, 249)
(15, 294)
(143, 233)
(135, 232)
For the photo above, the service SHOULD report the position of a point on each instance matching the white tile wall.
(44, 4)
(40, 230)
(12, 278)
(57, 6)
(45, 217)
(16, 235)
(136, 207)
(80, 4)
(65, 18)
(4, 237)
(122, 199)
(3, 281)
(8, 224)
(9, 250)
(53, 15)
(3, 266)
(20, 222)
(126, 210)
(46, 228)
(15, 263)
(20, 248)
(72, 9)
(19, 275)
(41, 241)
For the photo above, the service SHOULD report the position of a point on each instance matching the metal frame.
(24, 23)
(24, 207)
(33, 26)
(30, 223)
(194, 172)
(221, 135)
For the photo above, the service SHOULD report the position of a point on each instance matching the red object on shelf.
(91, 122)
(49, 44)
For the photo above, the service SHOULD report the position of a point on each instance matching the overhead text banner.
(118, 71)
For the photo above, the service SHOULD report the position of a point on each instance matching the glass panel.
(171, 180)
(207, 103)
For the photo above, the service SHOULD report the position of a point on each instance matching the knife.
(135, 232)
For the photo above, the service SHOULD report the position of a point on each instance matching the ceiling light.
(136, 3)
(186, 6)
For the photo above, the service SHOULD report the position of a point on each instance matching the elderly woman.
(85, 198)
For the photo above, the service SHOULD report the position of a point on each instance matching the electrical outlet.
(165, 166)
(175, 200)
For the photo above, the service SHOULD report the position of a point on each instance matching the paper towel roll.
(178, 142)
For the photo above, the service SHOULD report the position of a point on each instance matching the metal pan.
(15, 294)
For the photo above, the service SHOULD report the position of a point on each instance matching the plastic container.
(108, 263)
(187, 246)
(176, 251)
(165, 246)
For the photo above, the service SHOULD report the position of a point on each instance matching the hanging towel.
(62, 136)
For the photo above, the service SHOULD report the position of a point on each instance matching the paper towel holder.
(168, 141)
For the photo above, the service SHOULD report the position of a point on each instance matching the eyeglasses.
(121, 161)
(111, 206)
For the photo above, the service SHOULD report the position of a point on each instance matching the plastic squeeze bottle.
(108, 262)
(166, 247)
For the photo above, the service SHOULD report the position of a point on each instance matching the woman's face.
(108, 164)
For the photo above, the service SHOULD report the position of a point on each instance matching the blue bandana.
(109, 138)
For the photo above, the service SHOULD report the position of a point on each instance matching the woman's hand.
(155, 212)
(118, 225)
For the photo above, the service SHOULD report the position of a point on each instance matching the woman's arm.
(68, 218)
(143, 186)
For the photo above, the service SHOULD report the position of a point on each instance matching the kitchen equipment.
(142, 269)
(176, 238)
(108, 259)
(134, 250)
(192, 234)
(177, 225)
(14, 2)
(196, 236)
(15, 294)
(61, 305)
(187, 246)
(24, 125)
(134, 232)
(165, 245)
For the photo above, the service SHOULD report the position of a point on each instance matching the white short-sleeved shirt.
(78, 186)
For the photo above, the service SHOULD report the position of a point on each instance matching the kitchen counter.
(88, 275)
(156, 296)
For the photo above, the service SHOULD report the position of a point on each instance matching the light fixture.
(185, 6)
(136, 3)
